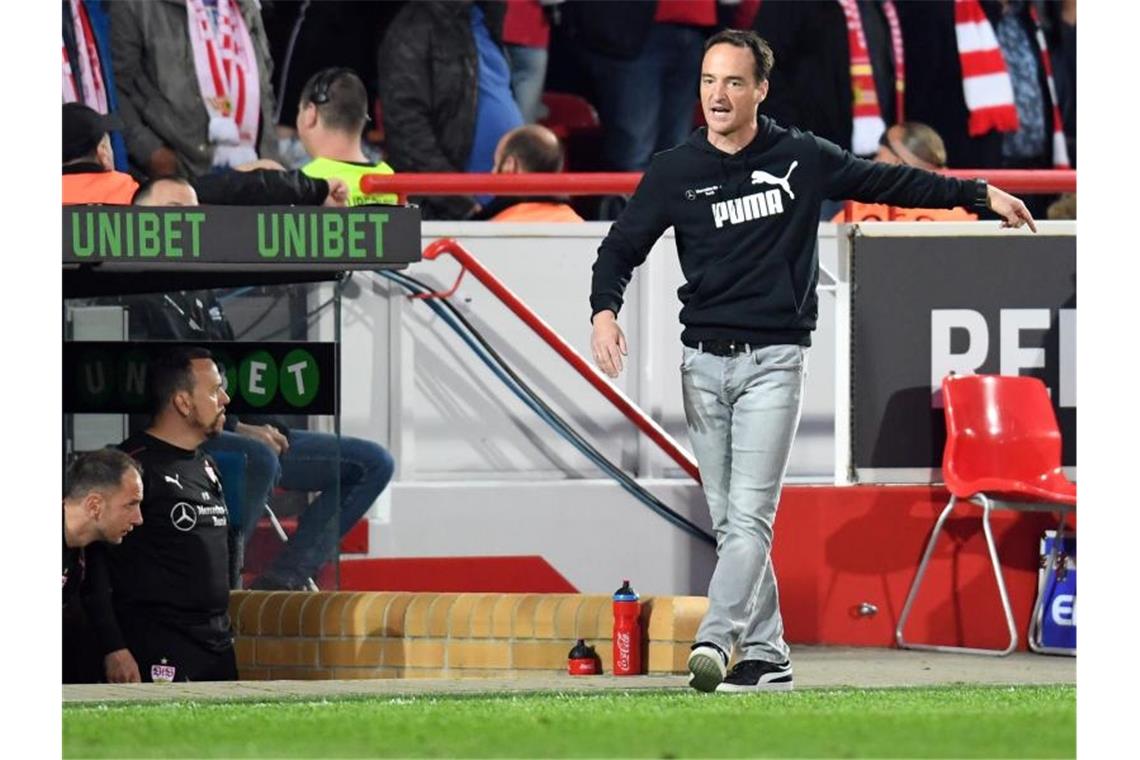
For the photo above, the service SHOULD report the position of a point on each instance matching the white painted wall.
(446, 417)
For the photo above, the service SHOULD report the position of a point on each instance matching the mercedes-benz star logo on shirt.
(183, 516)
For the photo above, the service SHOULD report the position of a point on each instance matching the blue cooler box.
(1053, 629)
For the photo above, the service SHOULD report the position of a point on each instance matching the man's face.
(171, 194)
(207, 402)
(729, 90)
(119, 511)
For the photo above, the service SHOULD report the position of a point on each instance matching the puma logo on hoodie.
(757, 205)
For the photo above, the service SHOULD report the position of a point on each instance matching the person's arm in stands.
(119, 664)
(265, 187)
(409, 137)
(134, 90)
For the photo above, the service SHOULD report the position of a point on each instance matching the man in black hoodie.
(743, 196)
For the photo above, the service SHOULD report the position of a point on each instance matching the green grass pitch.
(961, 721)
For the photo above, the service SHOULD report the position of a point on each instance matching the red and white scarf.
(867, 117)
(986, 81)
(90, 79)
(228, 78)
(1060, 150)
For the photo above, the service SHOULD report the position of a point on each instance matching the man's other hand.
(120, 667)
(608, 343)
(338, 192)
(267, 434)
(1010, 208)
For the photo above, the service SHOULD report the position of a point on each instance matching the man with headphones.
(330, 121)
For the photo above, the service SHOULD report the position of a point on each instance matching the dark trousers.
(166, 651)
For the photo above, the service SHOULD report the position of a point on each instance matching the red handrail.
(622, 183)
(635, 415)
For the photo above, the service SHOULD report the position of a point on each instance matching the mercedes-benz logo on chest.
(184, 516)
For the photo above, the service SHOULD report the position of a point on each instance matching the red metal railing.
(622, 183)
(635, 415)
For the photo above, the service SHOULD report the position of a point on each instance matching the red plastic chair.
(1003, 451)
(569, 115)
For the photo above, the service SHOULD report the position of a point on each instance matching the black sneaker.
(707, 664)
(758, 675)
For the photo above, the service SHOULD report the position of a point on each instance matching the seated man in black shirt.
(102, 494)
(168, 583)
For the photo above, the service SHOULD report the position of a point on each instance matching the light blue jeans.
(742, 412)
(528, 78)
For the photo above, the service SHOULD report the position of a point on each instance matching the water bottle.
(627, 631)
(583, 660)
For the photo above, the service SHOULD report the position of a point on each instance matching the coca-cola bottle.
(583, 660)
(627, 631)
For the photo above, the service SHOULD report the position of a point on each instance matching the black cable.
(287, 60)
(563, 427)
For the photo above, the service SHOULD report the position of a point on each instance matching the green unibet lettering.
(356, 235)
(110, 234)
(268, 244)
(195, 219)
(148, 235)
(172, 233)
(300, 377)
(132, 378)
(257, 378)
(333, 238)
(378, 222)
(79, 248)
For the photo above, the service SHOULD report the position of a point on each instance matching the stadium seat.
(1003, 451)
(569, 115)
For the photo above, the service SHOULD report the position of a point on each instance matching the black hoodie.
(745, 226)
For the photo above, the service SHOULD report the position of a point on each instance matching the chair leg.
(918, 576)
(987, 509)
(901, 641)
(285, 539)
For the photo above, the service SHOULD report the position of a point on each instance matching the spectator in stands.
(643, 60)
(839, 72)
(524, 150)
(988, 118)
(526, 34)
(297, 460)
(160, 599)
(330, 120)
(194, 84)
(444, 86)
(1065, 207)
(88, 77)
(102, 496)
(89, 175)
(909, 144)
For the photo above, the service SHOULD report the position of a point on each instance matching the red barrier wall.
(835, 548)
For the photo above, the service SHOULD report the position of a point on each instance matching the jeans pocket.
(688, 355)
(781, 357)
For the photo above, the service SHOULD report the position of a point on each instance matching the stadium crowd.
(181, 102)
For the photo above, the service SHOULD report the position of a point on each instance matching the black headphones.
(324, 82)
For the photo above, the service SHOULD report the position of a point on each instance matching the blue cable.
(557, 425)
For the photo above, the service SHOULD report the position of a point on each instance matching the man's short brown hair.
(746, 38)
(99, 470)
